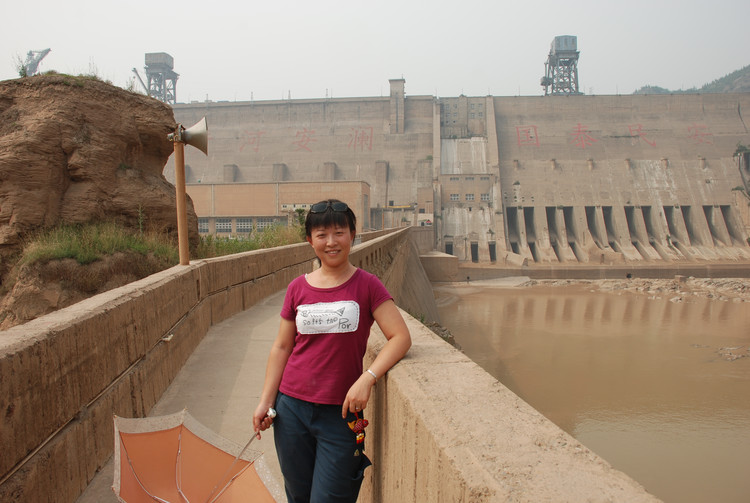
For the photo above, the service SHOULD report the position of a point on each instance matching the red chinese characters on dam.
(527, 136)
(360, 138)
(252, 140)
(636, 131)
(581, 136)
(699, 133)
(303, 139)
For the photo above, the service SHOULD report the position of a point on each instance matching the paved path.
(220, 385)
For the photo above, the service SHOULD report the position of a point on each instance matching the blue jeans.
(318, 453)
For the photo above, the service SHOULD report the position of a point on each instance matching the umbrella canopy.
(176, 459)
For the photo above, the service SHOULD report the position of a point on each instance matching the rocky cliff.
(75, 149)
(78, 150)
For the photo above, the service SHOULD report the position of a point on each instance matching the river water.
(651, 384)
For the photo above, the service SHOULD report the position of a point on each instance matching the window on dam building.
(239, 225)
(264, 222)
(244, 225)
(224, 225)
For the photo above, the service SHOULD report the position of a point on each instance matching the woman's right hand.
(261, 420)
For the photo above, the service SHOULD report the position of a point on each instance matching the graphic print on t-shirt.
(328, 317)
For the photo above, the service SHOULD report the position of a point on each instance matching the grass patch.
(87, 243)
(270, 237)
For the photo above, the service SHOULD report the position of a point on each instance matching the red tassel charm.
(358, 427)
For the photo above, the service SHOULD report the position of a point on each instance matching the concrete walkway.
(219, 385)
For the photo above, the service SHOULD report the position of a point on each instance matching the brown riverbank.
(590, 272)
(676, 289)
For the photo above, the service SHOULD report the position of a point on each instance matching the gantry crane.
(561, 67)
(162, 80)
(33, 58)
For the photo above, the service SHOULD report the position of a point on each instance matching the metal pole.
(182, 228)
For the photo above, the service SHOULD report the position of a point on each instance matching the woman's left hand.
(358, 395)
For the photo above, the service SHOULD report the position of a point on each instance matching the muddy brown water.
(659, 387)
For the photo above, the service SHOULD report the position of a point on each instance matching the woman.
(314, 377)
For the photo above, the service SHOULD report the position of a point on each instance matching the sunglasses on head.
(323, 207)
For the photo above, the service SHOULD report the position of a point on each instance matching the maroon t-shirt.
(333, 325)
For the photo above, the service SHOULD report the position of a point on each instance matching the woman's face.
(331, 244)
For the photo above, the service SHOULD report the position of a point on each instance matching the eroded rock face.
(74, 150)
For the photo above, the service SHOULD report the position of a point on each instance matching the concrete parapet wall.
(394, 257)
(62, 376)
(443, 430)
(370, 235)
(424, 238)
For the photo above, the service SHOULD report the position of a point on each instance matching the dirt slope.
(77, 150)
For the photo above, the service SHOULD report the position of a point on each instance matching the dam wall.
(540, 180)
(611, 179)
(322, 140)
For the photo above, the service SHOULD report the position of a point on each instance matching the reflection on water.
(646, 383)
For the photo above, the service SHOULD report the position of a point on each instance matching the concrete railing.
(63, 375)
(442, 429)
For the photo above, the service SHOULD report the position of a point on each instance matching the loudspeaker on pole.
(197, 136)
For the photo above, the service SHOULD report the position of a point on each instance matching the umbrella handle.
(272, 414)
(208, 499)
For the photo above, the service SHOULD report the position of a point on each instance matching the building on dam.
(514, 180)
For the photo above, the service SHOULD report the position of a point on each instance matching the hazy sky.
(306, 48)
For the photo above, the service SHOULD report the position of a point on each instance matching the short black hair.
(330, 218)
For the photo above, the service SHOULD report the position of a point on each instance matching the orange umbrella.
(176, 459)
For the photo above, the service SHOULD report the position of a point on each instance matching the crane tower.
(33, 58)
(161, 78)
(561, 67)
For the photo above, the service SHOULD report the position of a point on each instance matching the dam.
(540, 180)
